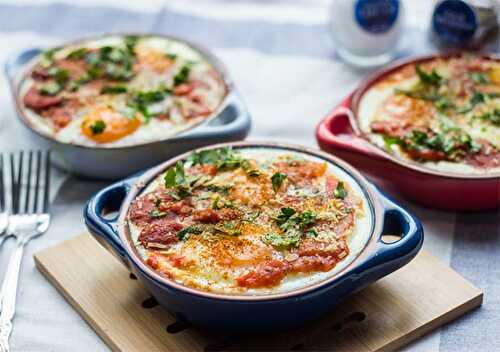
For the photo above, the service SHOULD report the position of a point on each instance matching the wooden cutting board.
(403, 306)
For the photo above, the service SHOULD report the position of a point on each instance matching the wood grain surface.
(390, 313)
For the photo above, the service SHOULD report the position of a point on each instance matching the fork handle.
(8, 295)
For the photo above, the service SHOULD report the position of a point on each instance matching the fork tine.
(37, 180)
(19, 182)
(28, 183)
(46, 199)
(13, 183)
(2, 184)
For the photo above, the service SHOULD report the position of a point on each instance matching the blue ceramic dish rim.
(375, 253)
(17, 67)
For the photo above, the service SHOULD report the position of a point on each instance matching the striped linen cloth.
(281, 58)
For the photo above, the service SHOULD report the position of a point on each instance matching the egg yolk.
(158, 61)
(495, 75)
(106, 125)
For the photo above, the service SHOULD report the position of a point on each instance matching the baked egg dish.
(443, 114)
(250, 221)
(118, 91)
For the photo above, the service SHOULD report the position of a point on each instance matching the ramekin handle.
(102, 228)
(17, 61)
(339, 130)
(399, 222)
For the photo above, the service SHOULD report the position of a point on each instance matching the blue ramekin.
(268, 313)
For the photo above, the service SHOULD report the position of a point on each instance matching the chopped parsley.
(155, 213)
(50, 88)
(110, 62)
(277, 180)
(47, 58)
(73, 86)
(182, 185)
(286, 213)
(433, 78)
(443, 104)
(182, 76)
(224, 158)
(290, 239)
(77, 54)
(479, 77)
(492, 117)
(419, 92)
(98, 127)
(175, 176)
(130, 43)
(340, 191)
(293, 224)
(193, 229)
(60, 75)
(312, 233)
(454, 143)
(477, 98)
(113, 90)
(216, 203)
(228, 228)
(141, 100)
(172, 57)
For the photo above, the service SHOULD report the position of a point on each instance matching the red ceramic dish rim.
(211, 58)
(356, 97)
(375, 211)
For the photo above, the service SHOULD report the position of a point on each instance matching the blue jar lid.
(454, 22)
(376, 16)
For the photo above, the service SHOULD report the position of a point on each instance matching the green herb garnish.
(215, 203)
(113, 90)
(312, 233)
(140, 101)
(286, 240)
(50, 88)
(277, 180)
(223, 158)
(479, 77)
(182, 75)
(130, 43)
(492, 117)
(477, 98)
(455, 143)
(293, 225)
(48, 57)
(228, 228)
(155, 213)
(60, 75)
(443, 104)
(286, 213)
(98, 127)
(182, 234)
(77, 54)
(175, 176)
(340, 191)
(432, 78)
(172, 57)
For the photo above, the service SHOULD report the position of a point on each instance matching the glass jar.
(366, 32)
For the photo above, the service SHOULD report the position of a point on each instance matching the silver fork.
(4, 216)
(27, 221)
